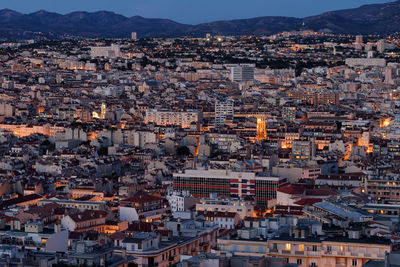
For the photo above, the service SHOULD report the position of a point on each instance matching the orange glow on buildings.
(384, 122)
(197, 147)
(93, 135)
(22, 130)
(348, 152)
(284, 145)
(40, 109)
(359, 142)
(261, 129)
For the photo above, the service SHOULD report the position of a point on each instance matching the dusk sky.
(190, 11)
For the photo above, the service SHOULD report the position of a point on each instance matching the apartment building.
(226, 183)
(179, 118)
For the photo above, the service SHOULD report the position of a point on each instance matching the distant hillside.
(368, 19)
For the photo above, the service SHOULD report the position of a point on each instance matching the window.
(299, 261)
(341, 248)
(288, 246)
(354, 262)
(301, 247)
(314, 248)
(329, 248)
(274, 246)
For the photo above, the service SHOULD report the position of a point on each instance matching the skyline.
(184, 12)
(256, 140)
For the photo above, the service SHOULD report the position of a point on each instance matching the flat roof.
(224, 174)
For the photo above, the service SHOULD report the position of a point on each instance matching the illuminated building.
(95, 115)
(315, 98)
(303, 150)
(289, 113)
(307, 251)
(384, 122)
(180, 118)
(223, 109)
(214, 204)
(261, 129)
(226, 183)
(103, 111)
(222, 139)
(22, 130)
(383, 187)
(242, 73)
(105, 51)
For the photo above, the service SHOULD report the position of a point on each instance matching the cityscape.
(218, 150)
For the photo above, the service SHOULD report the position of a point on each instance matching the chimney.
(303, 233)
(57, 227)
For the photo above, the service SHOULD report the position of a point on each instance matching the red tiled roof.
(141, 197)
(307, 201)
(117, 235)
(140, 227)
(292, 189)
(20, 200)
(320, 192)
(88, 215)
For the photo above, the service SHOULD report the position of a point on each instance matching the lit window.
(288, 246)
(301, 247)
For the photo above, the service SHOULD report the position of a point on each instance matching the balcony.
(299, 252)
(338, 253)
(313, 253)
(285, 251)
(272, 250)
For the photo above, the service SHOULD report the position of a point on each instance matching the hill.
(367, 19)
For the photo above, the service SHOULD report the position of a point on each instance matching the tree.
(339, 125)
(183, 151)
(103, 151)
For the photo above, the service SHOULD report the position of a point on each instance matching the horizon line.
(191, 24)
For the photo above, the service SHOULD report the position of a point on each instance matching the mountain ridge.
(366, 19)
